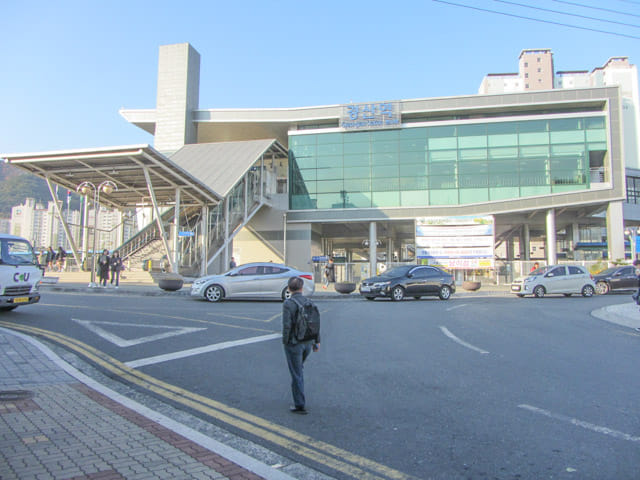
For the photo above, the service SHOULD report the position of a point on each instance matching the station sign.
(186, 234)
(367, 116)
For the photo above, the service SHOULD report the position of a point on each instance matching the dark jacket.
(103, 265)
(116, 263)
(289, 313)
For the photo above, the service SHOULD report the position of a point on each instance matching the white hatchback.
(564, 279)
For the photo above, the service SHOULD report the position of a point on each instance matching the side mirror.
(617, 274)
(549, 275)
(409, 275)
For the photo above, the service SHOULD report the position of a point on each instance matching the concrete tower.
(178, 96)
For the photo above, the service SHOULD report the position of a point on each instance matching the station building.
(523, 171)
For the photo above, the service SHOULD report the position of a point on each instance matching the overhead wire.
(602, 9)
(567, 13)
(538, 20)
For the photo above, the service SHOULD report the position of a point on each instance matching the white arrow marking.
(581, 423)
(121, 342)
(461, 342)
(197, 351)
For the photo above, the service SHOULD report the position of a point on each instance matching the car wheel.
(397, 293)
(445, 292)
(417, 297)
(588, 291)
(214, 293)
(567, 294)
(539, 291)
(370, 298)
(285, 294)
(602, 288)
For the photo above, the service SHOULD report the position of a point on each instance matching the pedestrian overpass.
(201, 196)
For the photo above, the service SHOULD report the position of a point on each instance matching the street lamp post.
(85, 187)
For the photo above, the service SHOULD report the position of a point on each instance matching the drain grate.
(15, 395)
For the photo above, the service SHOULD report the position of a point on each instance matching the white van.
(20, 273)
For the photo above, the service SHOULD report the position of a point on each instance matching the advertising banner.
(464, 242)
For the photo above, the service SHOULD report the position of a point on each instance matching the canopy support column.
(65, 226)
(158, 219)
(176, 228)
(204, 237)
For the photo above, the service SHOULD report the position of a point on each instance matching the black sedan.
(409, 281)
(616, 278)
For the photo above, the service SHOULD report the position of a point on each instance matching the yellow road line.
(318, 451)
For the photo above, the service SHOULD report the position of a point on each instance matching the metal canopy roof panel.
(221, 165)
(124, 166)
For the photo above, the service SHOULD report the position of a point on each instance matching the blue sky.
(68, 66)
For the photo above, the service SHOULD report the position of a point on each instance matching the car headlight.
(529, 279)
(381, 284)
(198, 283)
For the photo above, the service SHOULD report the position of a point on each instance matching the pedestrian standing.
(51, 258)
(116, 267)
(232, 263)
(103, 267)
(329, 273)
(296, 352)
(61, 257)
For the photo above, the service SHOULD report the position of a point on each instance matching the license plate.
(515, 288)
(21, 300)
(365, 289)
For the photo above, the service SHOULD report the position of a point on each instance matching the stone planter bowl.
(171, 284)
(345, 287)
(471, 286)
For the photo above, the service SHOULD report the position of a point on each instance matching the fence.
(503, 273)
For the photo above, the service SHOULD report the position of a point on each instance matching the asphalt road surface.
(470, 388)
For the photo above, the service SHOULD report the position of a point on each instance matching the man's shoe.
(298, 410)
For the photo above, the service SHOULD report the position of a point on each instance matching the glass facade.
(445, 165)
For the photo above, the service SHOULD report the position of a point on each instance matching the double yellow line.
(323, 453)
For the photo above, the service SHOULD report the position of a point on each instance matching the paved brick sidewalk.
(64, 429)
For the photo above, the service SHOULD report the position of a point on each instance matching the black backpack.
(307, 321)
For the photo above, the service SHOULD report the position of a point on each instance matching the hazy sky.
(68, 66)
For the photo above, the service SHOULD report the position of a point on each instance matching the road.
(470, 388)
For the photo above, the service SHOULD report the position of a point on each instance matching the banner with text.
(464, 242)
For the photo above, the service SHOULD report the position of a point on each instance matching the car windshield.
(540, 271)
(16, 252)
(398, 271)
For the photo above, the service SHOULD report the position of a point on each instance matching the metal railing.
(503, 273)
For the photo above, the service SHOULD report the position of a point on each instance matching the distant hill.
(16, 186)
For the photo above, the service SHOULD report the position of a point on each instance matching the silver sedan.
(251, 280)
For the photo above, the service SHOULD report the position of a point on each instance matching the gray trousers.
(296, 355)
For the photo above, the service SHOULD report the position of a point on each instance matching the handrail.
(144, 236)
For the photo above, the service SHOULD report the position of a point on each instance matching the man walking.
(296, 351)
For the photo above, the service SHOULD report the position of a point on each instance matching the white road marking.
(461, 342)
(580, 423)
(197, 351)
(121, 342)
(456, 306)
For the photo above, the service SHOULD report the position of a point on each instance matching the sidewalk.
(57, 423)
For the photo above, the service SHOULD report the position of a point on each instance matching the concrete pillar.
(176, 229)
(177, 96)
(552, 257)
(526, 242)
(575, 237)
(373, 248)
(615, 231)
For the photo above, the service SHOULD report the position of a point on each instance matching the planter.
(471, 286)
(171, 284)
(345, 287)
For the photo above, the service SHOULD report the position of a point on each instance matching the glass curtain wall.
(445, 165)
